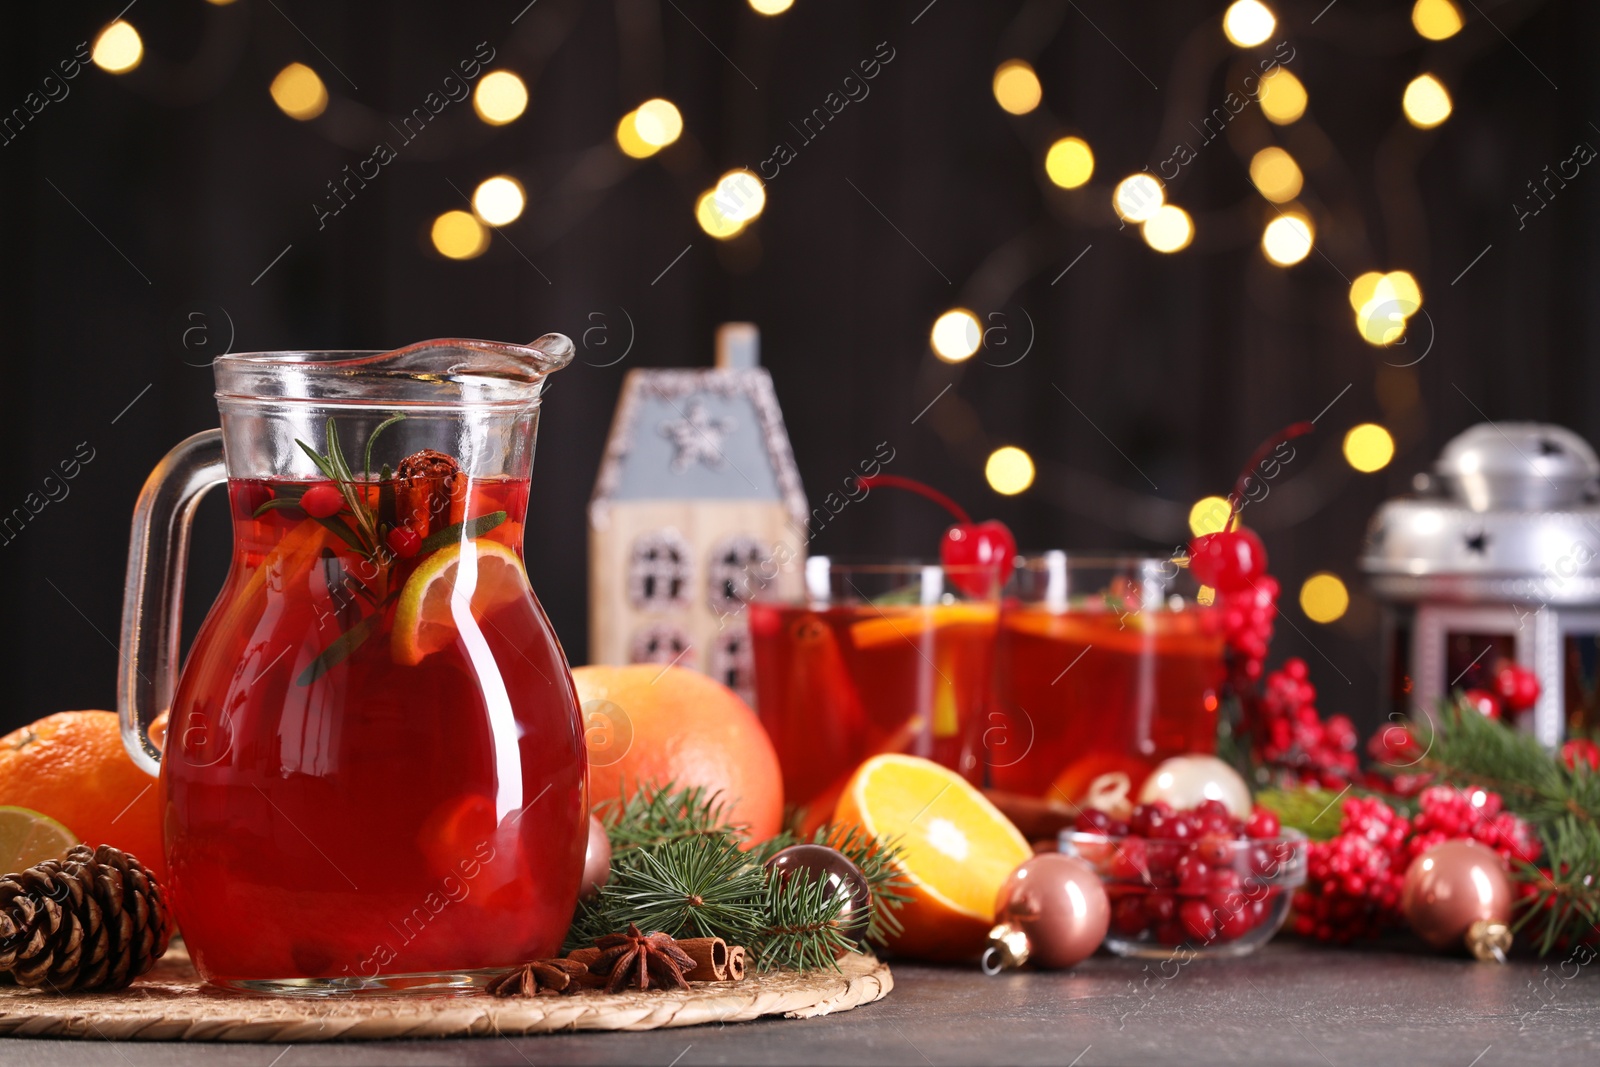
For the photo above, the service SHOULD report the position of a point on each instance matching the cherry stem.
(894, 481)
(1288, 433)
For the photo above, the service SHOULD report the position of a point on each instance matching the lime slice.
(27, 837)
(425, 617)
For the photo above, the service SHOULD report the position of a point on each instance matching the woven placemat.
(171, 1004)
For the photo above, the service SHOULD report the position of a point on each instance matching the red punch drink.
(878, 658)
(1103, 667)
(374, 764)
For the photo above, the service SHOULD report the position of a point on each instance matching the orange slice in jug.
(474, 577)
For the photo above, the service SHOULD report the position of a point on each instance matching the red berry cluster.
(1581, 752)
(1234, 564)
(1516, 688)
(1199, 876)
(1292, 738)
(1353, 881)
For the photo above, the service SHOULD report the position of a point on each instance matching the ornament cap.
(1008, 949)
(1489, 940)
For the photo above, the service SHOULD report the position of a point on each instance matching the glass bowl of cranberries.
(1199, 881)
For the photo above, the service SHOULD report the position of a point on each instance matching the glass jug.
(373, 768)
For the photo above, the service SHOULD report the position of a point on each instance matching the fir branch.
(696, 887)
(658, 815)
(801, 930)
(1316, 812)
(879, 861)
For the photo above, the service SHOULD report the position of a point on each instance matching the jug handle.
(152, 605)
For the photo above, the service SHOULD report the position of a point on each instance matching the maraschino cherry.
(968, 548)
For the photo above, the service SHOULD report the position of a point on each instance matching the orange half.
(485, 574)
(956, 850)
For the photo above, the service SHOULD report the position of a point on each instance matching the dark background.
(143, 200)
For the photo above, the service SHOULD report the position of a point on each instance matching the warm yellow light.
(1009, 470)
(498, 200)
(1016, 87)
(1380, 323)
(1282, 97)
(1137, 197)
(658, 122)
(1276, 174)
(1436, 19)
(1070, 162)
(1287, 239)
(628, 138)
(1324, 598)
(1426, 102)
(1403, 288)
(1210, 514)
(1248, 22)
(740, 196)
(771, 7)
(1364, 288)
(220, 3)
(299, 93)
(1368, 447)
(459, 235)
(1168, 229)
(709, 215)
(118, 49)
(956, 335)
(501, 97)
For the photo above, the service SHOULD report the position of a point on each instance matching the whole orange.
(646, 724)
(72, 767)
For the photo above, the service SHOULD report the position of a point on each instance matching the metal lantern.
(1495, 557)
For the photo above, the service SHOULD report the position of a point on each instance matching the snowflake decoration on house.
(697, 438)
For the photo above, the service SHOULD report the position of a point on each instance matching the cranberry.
(1194, 876)
(1230, 561)
(1160, 907)
(1128, 916)
(1263, 823)
(1215, 849)
(1148, 820)
(1225, 879)
(1237, 922)
(1483, 702)
(1171, 933)
(987, 545)
(1517, 686)
(1118, 828)
(1128, 862)
(404, 541)
(1198, 920)
(1212, 807)
(322, 501)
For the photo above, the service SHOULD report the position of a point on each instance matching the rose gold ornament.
(596, 860)
(1458, 894)
(1052, 912)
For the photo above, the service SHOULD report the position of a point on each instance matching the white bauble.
(1184, 781)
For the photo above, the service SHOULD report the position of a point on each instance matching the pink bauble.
(1058, 902)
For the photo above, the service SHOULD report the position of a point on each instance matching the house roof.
(703, 434)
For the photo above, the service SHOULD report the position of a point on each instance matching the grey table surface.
(1289, 1004)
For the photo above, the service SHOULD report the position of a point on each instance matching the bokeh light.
(1009, 470)
(1324, 598)
(771, 7)
(501, 97)
(1364, 288)
(1282, 97)
(1383, 303)
(219, 3)
(956, 335)
(1070, 162)
(1368, 447)
(1016, 87)
(1210, 514)
(724, 210)
(459, 235)
(117, 49)
(658, 122)
(711, 219)
(299, 93)
(1288, 238)
(1276, 174)
(628, 138)
(1248, 23)
(1168, 229)
(1436, 19)
(1426, 102)
(499, 200)
(1137, 197)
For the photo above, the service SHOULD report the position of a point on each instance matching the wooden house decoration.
(698, 502)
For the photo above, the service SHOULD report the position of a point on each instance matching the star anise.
(541, 978)
(646, 960)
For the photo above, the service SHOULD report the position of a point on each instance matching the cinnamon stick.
(710, 955)
(736, 963)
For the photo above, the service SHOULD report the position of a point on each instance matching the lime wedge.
(27, 837)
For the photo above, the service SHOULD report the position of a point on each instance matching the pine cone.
(94, 920)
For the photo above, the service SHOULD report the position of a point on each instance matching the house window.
(662, 642)
(732, 665)
(658, 572)
(734, 573)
